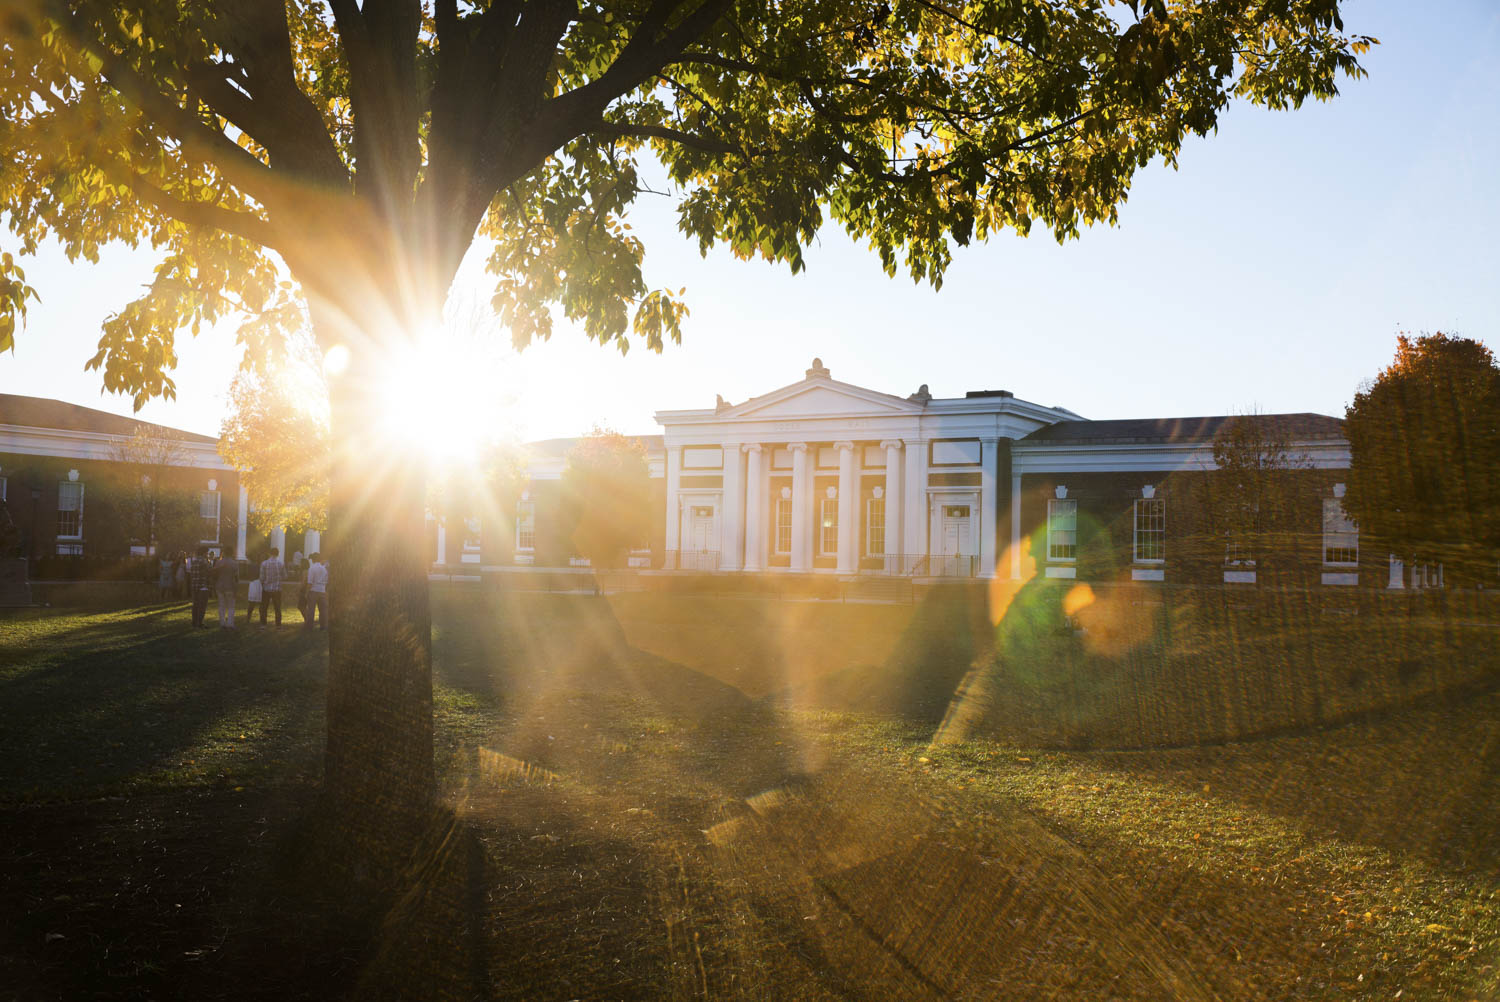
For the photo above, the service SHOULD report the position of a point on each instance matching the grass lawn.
(642, 813)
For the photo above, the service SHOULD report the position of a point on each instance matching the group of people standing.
(221, 576)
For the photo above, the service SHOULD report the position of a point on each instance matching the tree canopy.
(334, 161)
(1424, 438)
(1253, 492)
(342, 139)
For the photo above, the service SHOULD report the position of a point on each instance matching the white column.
(893, 505)
(916, 501)
(241, 525)
(442, 542)
(848, 509)
(278, 540)
(989, 475)
(1015, 527)
(801, 507)
(674, 506)
(312, 542)
(732, 531)
(755, 508)
(1398, 573)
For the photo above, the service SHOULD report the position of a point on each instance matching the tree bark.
(379, 778)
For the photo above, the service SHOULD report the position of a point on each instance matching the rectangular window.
(1150, 530)
(1340, 535)
(828, 528)
(526, 525)
(783, 525)
(473, 541)
(874, 457)
(1238, 554)
(69, 510)
(875, 527)
(828, 458)
(781, 459)
(1062, 530)
(208, 515)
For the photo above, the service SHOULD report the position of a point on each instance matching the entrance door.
(954, 552)
(955, 530)
(702, 537)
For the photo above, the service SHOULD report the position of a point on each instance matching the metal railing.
(693, 560)
(927, 565)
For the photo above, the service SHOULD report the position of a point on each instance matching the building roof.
(558, 448)
(41, 412)
(1298, 427)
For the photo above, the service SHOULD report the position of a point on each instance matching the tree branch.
(707, 144)
(198, 140)
(205, 214)
(643, 56)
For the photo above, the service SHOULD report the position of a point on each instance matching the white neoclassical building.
(826, 476)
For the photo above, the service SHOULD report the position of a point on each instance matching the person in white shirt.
(317, 592)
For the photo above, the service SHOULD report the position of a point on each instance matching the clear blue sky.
(1272, 271)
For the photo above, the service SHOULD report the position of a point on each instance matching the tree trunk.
(379, 778)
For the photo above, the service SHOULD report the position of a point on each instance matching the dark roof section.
(41, 412)
(1298, 427)
(560, 447)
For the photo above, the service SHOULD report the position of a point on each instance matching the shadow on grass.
(948, 632)
(100, 709)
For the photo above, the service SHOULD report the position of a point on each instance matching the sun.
(447, 397)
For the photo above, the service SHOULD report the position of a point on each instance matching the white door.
(701, 534)
(956, 530)
(953, 551)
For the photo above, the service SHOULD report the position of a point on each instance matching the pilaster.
(989, 473)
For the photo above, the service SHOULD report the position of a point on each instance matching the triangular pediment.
(814, 398)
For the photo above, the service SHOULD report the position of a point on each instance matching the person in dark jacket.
(199, 571)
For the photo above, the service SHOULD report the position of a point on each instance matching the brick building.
(79, 507)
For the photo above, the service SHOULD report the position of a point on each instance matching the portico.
(823, 476)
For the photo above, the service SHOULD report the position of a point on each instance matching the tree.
(155, 513)
(346, 156)
(1253, 494)
(276, 436)
(607, 491)
(1424, 439)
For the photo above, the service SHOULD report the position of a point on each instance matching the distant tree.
(607, 488)
(1253, 494)
(480, 493)
(1424, 438)
(157, 514)
(276, 435)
